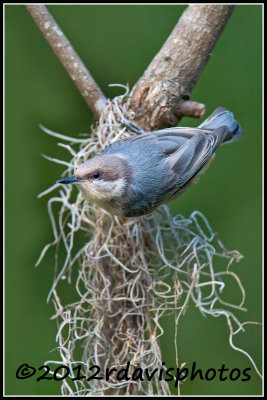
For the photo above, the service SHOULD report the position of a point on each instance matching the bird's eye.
(96, 175)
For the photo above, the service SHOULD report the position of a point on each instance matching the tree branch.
(156, 98)
(68, 57)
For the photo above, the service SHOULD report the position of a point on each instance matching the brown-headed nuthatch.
(133, 176)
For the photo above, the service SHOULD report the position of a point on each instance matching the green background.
(117, 43)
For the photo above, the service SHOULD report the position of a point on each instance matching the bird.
(133, 176)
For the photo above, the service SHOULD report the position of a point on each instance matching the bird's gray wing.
(167, 140)
(189, 159)
(171, 139)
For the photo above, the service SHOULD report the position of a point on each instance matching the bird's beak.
(71, 179)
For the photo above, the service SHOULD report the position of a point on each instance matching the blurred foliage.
(117, 42)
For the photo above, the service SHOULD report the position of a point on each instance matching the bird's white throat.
(101, 191)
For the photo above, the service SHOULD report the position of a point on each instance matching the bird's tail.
(222, 117)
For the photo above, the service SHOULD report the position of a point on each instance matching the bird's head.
(101, 178)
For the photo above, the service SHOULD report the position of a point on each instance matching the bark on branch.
(69, 58)
(160, 97)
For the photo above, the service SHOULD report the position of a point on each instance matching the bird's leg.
(132, 126)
